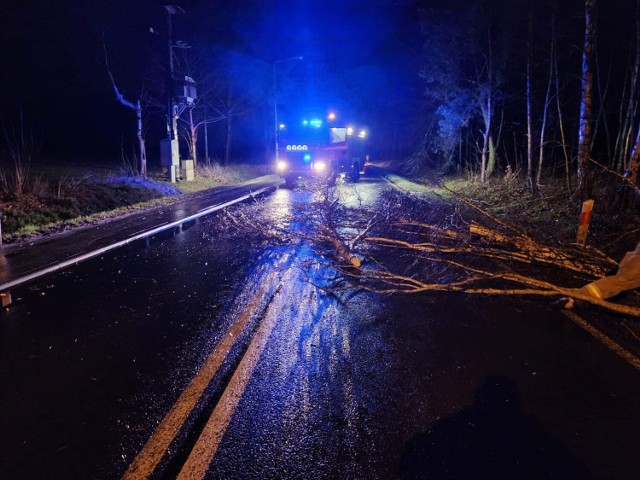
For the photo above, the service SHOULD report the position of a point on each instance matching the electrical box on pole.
(185, 91)
(169, 151)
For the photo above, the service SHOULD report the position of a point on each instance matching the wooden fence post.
(585, 219)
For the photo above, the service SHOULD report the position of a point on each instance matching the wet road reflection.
(344, 384)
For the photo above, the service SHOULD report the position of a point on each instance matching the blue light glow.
(305, 122)
(316, 122)
(307, 158)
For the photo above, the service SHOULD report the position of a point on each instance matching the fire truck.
(315, 150)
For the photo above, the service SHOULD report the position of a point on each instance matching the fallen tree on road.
(485, 256)
(411, 246)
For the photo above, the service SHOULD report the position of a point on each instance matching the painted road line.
(406, 190)
(395, 185)
(12, 283)
(608, 342)
(155, 448)
(205, 448)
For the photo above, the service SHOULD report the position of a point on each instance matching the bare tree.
(486, 103)
(136, 107)
(191, 124)
(231, 106)
(545, 110)
(629, 105)
(563, 137)
(528, 95)
(19, 149)
(631, 170)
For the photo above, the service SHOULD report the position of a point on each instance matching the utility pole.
(169, 151)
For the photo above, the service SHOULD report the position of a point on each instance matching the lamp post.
(275, 102)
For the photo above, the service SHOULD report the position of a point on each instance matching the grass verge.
(552, 215)
(61, 200)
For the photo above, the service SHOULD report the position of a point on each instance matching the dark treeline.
(504, 87)
(489, 88)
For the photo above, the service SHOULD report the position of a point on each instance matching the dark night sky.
(360, 57)
(52, 70)
(52, 64)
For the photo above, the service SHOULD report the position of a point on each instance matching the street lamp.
(275, 101)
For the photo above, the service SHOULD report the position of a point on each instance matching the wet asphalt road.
(349, 385)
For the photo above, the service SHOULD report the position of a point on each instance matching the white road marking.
(58, 265)
(604, 339)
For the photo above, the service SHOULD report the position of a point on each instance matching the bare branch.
(119, 96)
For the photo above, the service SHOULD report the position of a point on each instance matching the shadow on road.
(491, 439)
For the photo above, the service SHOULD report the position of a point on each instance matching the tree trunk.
(586, 174)
(631, 170)
(545, 109)
(530, 182)
(563, 137)
(485, 152)
(193, 138)
(491, 163)
(626, 133)
(206, 140)
(227, 150)
(602, 118)
(142, 168)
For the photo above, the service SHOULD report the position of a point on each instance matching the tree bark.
(624, 148)
(530, 182)
(491, 162)
(545, 109)
(142, 168)
(586, 175)
(631, 173)
(631, 170)
(227, 150)
(137, 108)
(193, 138)
(563, 137)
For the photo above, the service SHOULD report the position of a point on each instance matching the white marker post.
(585, 219)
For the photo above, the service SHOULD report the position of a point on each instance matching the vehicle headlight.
(319, 166)
(281, 165)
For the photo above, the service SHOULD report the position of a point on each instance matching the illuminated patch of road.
(604, 339)
(406, 186)
(283, 289)
(205, 448)
(156, 447)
